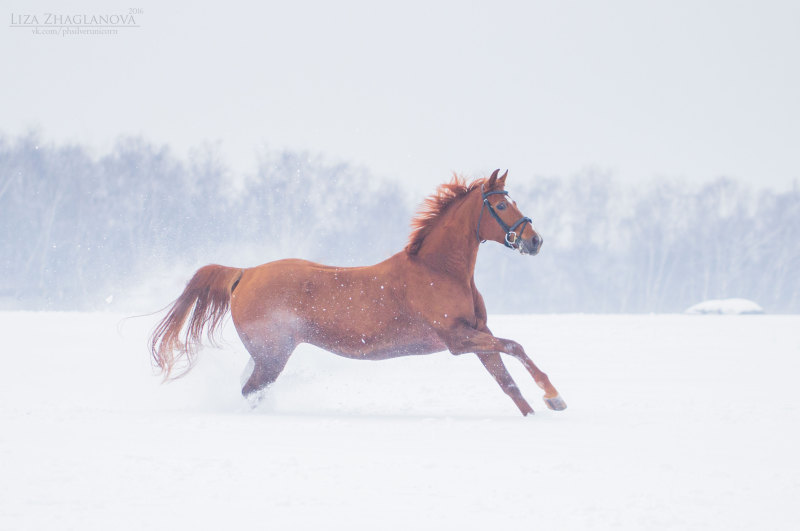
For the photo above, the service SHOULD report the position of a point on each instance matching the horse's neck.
(452, 246)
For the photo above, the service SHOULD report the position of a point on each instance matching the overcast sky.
(687, 89)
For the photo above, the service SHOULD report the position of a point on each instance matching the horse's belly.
(379, 344)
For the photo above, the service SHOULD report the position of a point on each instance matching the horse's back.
(269, 280)
(300, 287)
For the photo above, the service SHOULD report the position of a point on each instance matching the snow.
(673, 422)
(726, 307)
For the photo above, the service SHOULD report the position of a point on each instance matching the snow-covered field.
(674, 422)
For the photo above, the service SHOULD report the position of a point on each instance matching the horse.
(421, 300)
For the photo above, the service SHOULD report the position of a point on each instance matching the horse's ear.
(490, 184)
(501, 182)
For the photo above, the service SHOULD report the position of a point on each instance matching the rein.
(511, 235)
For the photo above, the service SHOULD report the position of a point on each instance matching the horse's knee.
(514, 348)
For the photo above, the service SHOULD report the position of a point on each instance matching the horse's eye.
(501, 205)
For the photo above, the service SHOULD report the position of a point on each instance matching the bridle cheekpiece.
(511, 238)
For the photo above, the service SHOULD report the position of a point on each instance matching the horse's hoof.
(254, 398)
(556, 403)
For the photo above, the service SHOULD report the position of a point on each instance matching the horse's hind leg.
(269, 357)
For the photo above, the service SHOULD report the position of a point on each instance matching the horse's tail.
(207, 297)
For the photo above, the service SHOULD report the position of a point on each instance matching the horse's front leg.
(470, 340)
(498, 370)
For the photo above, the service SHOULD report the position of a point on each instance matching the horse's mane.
(434, 206)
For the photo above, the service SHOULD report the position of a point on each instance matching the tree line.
(76, 227)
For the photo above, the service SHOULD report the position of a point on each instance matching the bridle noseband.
(511, 236)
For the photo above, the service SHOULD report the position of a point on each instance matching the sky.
(416, 90)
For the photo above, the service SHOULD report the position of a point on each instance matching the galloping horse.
(420, 301)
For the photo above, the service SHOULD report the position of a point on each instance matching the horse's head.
(505, 223)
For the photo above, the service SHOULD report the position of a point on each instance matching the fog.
(125, 229)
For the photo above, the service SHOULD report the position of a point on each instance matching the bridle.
(511, 236)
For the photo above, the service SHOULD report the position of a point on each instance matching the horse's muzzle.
(531, 246)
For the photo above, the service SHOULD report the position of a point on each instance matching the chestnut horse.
(420, 301)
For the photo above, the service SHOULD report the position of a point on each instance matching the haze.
(416, 90)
